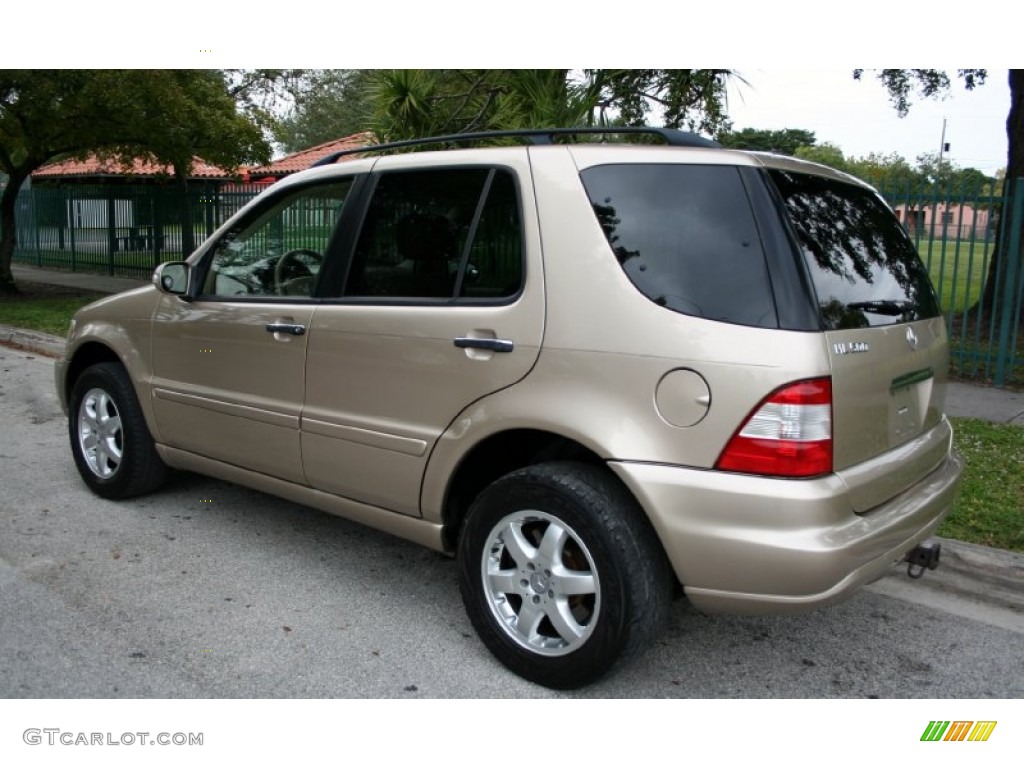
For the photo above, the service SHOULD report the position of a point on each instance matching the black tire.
(110, 441)
(575, 558)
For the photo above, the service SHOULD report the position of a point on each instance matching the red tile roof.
(94, 166)
(300, 161)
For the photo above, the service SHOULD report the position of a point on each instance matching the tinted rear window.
(685, 235)
(865, 269)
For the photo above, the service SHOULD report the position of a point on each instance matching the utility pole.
(943, 146)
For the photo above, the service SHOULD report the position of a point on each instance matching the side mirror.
(173, 277)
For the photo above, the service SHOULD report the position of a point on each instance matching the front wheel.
(561, 573)
(110, 441)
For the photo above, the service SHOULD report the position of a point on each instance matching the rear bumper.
(744, 544)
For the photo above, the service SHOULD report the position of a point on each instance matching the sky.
(858, 117)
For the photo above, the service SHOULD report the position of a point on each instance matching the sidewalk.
(986, 403)
(976, 582)
(85, 281)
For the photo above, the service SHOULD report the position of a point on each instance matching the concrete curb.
(46, 344)
(993, 573)
(975, 582)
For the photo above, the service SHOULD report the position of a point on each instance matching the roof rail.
(671, 136)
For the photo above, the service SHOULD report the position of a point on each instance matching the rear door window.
(450, 234)
(866, 271)
(685, 235)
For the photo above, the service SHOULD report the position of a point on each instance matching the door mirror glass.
(172, 277)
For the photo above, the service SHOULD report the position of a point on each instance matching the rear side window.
(685, 235)
(865, 270)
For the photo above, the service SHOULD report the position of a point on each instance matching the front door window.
(280, 250)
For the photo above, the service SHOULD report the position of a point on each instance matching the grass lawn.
(45, 308)
(990, 505)
(958, 271)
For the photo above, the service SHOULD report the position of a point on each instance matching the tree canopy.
(893, 172)
(167, 115)
(785, 142)
(903, 84)
(826, 153)
(418, 102)
(326, 104)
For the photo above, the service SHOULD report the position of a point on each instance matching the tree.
(687, 98)
(886, 172)
(327, 104)
(167, 115)
(826, 154)
(949, 175)
(417, 102)
(891, 172)
(785, 142)
(902, 84)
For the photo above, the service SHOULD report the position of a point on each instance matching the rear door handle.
(492, 345)
(295, 329)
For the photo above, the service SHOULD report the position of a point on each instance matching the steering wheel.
(298, 284)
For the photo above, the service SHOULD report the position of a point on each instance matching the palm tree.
(417, 102)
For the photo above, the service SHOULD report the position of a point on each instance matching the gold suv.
(592, 372)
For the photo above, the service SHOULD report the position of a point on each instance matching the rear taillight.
(788, 435)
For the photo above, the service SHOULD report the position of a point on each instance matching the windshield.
(865, 269)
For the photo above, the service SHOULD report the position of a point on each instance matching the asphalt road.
(210, 590)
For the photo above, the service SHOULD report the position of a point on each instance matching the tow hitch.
(921, 558)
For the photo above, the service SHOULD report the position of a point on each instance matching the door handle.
(295, 329)
(492, 345)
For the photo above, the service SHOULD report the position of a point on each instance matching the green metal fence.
(128, 230)
(118, 229)
(959, 232)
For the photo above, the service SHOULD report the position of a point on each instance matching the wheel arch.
(90, 352)
(87, 354)
(495, 456)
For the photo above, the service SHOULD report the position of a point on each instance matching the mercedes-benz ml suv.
(595, 373)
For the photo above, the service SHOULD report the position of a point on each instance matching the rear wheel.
(561, 573)
(110, 441)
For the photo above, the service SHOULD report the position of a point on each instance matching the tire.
(563, 549)
(110, 441)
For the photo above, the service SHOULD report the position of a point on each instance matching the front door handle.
(492, 345)
(295, 329)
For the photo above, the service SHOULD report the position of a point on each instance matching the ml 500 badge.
(842, 348)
